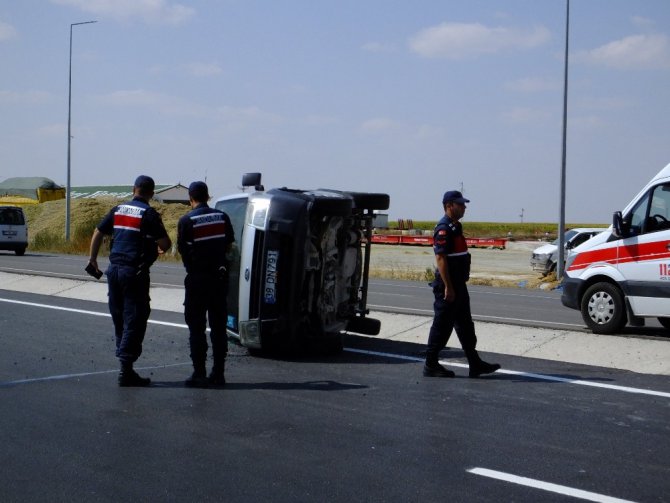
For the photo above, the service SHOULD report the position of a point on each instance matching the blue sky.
(410, 98)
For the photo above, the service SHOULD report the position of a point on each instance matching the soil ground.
(511, 265)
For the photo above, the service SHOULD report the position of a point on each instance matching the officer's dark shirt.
(135, 226)
(204, 234)
(448, 240)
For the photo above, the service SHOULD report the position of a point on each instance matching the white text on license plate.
(270, 294)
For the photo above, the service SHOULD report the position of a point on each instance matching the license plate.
(9, 233)
(270, 294)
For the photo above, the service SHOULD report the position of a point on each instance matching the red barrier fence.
(395, 239)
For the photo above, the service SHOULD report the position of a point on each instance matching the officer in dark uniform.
(204, 236)
(452, 300)
(137, 234)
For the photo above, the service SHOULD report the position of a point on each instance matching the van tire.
(332, 206)
(371, 200)
(20, 251)
(603, 308)
(365, 326)
(665, 322)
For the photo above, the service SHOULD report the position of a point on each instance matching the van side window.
(652, 213)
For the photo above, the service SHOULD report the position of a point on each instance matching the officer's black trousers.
(205, 298)
(450, 315)
(129, 305)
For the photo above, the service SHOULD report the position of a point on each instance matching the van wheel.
(552, 268)
(603, 308)
(20, 251)
(665, 322)
(365, 326)
(371, 200)
(332, 206)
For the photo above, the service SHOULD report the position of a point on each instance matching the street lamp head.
(83, 22)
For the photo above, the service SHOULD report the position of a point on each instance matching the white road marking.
(481, 316)
(84, 374)
(83, 311)
(546, 486)
(614, 387)
(543, 377)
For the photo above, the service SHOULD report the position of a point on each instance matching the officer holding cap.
(137, 235)
(204, 236)
(452, 300)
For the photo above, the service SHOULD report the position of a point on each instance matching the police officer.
(204, 236)
(452, 300)
(137, 235)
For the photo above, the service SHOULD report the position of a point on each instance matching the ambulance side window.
(652, 212)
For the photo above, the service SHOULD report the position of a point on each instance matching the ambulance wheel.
(603, 308)
(665, 322)
(20, 251)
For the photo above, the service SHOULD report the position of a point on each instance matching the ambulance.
(623, 274)
(298, 270)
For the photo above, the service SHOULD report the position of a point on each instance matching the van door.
(644, 256)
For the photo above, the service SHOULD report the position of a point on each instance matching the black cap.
(454, 196)
(198, 191)
(145, 183)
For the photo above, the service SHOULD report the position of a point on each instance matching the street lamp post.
(69, 137)
(560, 266)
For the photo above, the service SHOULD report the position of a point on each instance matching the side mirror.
(619, 226)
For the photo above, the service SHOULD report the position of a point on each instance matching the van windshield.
(11, 216)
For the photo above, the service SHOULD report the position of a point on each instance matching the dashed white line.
(546, 486)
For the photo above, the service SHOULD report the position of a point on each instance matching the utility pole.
(69, 138)
(560, 267)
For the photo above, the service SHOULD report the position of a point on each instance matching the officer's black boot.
(216, 377)
(432, 368)
(199, 377)
(129, 378)
(479, 366)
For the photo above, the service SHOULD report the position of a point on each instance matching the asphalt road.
(361, 426)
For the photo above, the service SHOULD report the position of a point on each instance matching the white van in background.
(13, 229)
(545, 257)
(623, 275)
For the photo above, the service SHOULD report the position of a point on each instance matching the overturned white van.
(623, 275)
(298, 272)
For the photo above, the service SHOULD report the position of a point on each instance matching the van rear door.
(644, 257)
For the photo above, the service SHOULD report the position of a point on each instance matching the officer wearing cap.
(452, 300)
(137, 235)
(204, 236)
